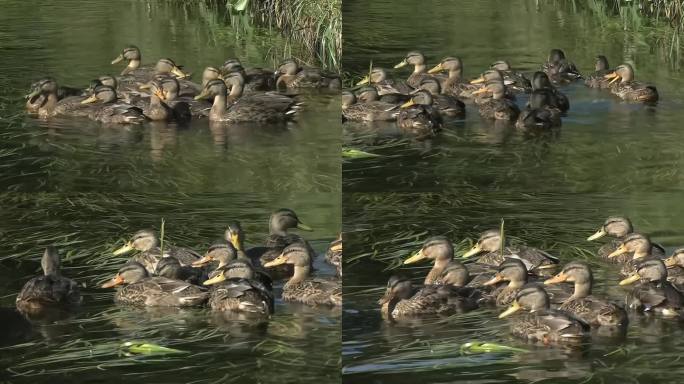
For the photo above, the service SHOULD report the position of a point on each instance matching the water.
(85, 187)
(553, 191)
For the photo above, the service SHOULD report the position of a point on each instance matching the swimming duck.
(132, 55)
(539, 114)
(184, 107)
(35, 99)
(514, 80)
(106, 109)
(357, 109)
(402, 300)
(236, 289)
(582, 304)
(455, 84)
(417, 116)
(146, 243)
(542, 324)
(334, 254)
(598, 78)
(291, 75)
(446, 105)
(558, 100)
(617, 227)
(138, 288)
(301, 287)
(654, 293)
(256, 79)
(498, 107)
(417, 60)
(271, 100)
(489, 245)
(628, 89)
(263, 108)
(675, 268)
(50, 291)
(171, 268)
(280, 222)
(225, 253)
(490, 76)
(636, 244)
(390, 91)
(236, 237)
(512, 271)
(559, 69)
(47, 103)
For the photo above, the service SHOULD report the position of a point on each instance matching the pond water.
(85, 188)
(553, 191)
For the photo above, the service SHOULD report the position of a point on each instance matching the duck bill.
(33, 94)
(303, 227)
(178, 73)
(621, 250)
(363, 81)
(496, 279)
(202, 262)
(89, 100)
(559, 278)
(203, 95)
(407, 104)
(275, 262)
(515, 307)
(118, 59)
(612, 75)
(437, 68)
(670, 262)
(480, 91)
(123, 250)
(415, 257)
(401, 65)
(337, 247)
(235, 240)
(116, 280)
(473, 251)
(478, 80)
(599, 234)
(215, 280)
(386, 297)
(630, 280)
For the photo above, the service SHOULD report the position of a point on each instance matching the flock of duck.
(163, 92)
(229, 277)
(530, 281)
(429, 99)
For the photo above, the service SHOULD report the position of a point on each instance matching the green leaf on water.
(144, 348)
(476, 347)
(352, 153)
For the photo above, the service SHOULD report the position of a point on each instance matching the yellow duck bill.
(401, 64)
(515, 307)
(621, 250)
(559, 278)
(631, 280)
(215, 280)
(303, 227)
(363, 81)
(415, 257)
(473, 251)
(437, 68)
(123, 250)
(118, 59)
(275, 262)
(599, 234)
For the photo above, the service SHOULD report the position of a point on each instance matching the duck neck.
(517, 283)
(235, 93)
(133, 64)
(582, 290)
(640, 254)
(219, 107)
(301, 273)
(50, 103)
(419, 68)
(455, 74)
(436, 271)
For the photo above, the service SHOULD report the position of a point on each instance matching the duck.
(146, 242)
(498, 107)
(539, 114)
(301, 287)
(617, 227)
(490, 75)
(512, 271)
(543, 324)
(447, 105)
(488, 247)
(184, 107)
(225, 253)
(368, 108)
(589, 308)
(417, 116)
(235, 236)
(133, 57)
(256, 79)
(51, 291)
(171, 268)
(401, 300)
(514, 80)
(291, 75)
(279, 223)
(559, 69)
(106, 109)
(558, 100)
(629, 89)
(140, 289)
(262, 108)
(417, 60)
(46, 102)
(653, 293)
(455, 84)
(236, 289)
(35, 99)
(334, 254)
(390, 91)
(598, 78)
(638, 246)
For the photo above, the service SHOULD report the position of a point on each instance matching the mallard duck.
(35, 98)
(417, 60)
(559, 69)
(138, 288)
(261, 108)
(236, 237)
(539, 114)
(514, 80)
(514, 272)
(438, 249)
(558, 100)
(455, 84)
(106, 109)
(301, 287)
(146, 243)
(629, 89)
(184, 107)
(654, 293)
(132, 55)
(256, 79)
(401, 300)
(499, 107)
(598, 78)
(543, 324)
(489, 245)
(45, 93)
(171, 268)
(418, 118)
(291, 75)
(635, 244)
(618, 227)
(225, 253)
(446, 105)
(489, 76)
(675, 268)
(582, 304)
(334, 254)
(50, 291)
(391, 91)
(373, 110)
(236, 289)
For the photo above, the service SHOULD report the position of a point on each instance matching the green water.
(553, 191)
(85, 187)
